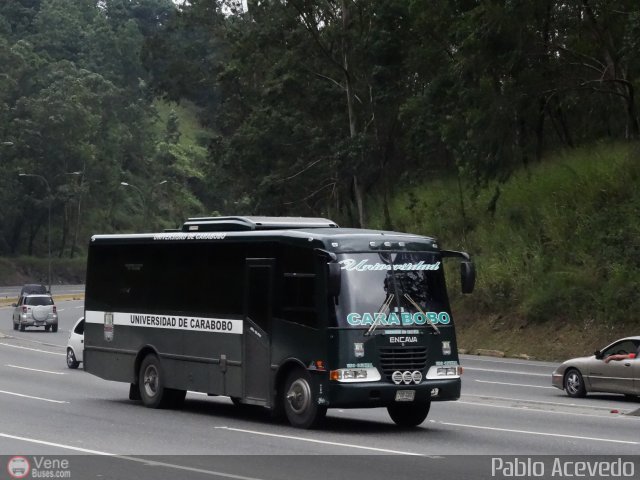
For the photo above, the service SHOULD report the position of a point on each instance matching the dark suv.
(33, 289)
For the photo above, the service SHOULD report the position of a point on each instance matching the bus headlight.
(352, 375)
(449, 371)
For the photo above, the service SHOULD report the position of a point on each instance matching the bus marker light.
(358, 350)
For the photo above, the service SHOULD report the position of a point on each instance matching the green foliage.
(561, 244)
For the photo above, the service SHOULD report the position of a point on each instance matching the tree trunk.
(65, 229)
(540, 128)
(357, 195)
(353, 127)
(633, 129)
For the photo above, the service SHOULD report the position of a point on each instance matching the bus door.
(258, 306)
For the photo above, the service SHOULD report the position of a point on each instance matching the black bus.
(294, 314)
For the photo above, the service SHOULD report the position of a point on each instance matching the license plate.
(405, 395)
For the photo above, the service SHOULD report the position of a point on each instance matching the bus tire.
(151, 383)
(134, 391)
(300, 403)
(409, 415)
(176, 397)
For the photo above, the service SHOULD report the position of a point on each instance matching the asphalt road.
(508, 408)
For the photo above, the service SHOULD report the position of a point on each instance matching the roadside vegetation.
(558, 253)
(506, 129)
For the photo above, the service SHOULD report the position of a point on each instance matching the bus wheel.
(300, 404)
(151, 383)
(409, 415)
(176, 397)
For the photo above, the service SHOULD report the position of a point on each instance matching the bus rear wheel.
(300, 403)
(151, 383)
(409, 415)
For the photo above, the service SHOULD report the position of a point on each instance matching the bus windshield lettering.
(388, 289)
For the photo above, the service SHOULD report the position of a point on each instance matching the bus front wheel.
(300, 403)
(409, 415)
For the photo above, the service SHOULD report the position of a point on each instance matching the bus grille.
(402, 359)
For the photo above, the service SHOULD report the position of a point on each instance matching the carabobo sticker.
(402, 318)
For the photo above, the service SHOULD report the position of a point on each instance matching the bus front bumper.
(382, 394)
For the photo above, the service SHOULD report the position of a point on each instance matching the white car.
(75, 345)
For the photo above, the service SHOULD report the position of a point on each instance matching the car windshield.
(401, 289)
(35, 301)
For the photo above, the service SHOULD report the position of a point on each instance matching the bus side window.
(298, 299)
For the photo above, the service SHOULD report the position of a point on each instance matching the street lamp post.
(49, 217)
(142, 196)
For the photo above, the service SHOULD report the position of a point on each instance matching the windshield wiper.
(408, 297)
(384, 309)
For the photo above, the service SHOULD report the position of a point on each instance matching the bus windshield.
(392, 290)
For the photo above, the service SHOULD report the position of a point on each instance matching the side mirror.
(14, 305)
(598, 354)
(335, 279)
(467, 276)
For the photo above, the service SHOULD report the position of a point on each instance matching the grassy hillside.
(558, 262)
(20, 270)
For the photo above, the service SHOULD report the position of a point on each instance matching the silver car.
(583, 375)
(35, 311)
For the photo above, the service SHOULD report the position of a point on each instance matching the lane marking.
(562, 404)
(144, 461)
(32, 349)
(537, 410)
(32, 397)
(35, 370)
(323, 442)
(515, 384)
(511, 362)
(507, 371)
(544, 434)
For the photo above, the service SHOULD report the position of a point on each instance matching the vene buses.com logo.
(18, 467)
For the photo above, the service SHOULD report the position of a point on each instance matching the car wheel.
(300, 403)
(151, 383)
(574, 384)
(409, 415)
(71, 359)
(15, 326)
(47, 328)
(22, 328)
(54, 327)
